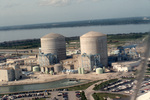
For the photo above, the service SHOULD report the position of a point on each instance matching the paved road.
(89, 91)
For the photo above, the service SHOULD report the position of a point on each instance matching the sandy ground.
(42, 78)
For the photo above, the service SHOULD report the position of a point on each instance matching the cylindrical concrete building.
(55, 44)
(58, 68)
(93, 43)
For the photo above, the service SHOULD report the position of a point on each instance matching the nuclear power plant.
(56, 61)
(93, 52)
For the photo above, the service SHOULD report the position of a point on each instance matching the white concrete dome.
(54, 43)
(53, 35)
(93, 43)
(93, 34)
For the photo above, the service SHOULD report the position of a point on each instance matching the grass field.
(82, 87)
(101, 96)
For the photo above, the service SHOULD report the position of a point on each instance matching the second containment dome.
(93, 43)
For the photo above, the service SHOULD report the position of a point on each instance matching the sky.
(21, 12)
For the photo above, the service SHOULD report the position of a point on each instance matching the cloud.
(61, 2)
(55, 2)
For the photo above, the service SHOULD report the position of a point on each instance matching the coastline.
(44, 78)
(49, 89)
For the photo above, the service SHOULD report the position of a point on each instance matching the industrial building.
(127, 53)
(23, 61)
(93, 50)
(15, 61)
(7, 74)
(57, 68)
(72, 63)
(125, 66)
(10, 73)
(53, 51)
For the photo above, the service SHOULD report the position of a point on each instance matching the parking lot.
(67, 95)
(50, 95)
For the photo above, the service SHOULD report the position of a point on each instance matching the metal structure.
(93, 43)
(47, 59)
(54, 43)
(89, 62)
(127, 53)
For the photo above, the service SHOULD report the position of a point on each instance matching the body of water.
(72, 31)
(41, 86)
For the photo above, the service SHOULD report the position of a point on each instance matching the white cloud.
(61, 2)
(55, 2)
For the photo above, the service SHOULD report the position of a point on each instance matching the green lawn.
(101, 96)
(83, 86)
(104, 84)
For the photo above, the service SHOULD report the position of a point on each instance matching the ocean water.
(72, 31)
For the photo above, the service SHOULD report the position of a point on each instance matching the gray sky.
(19, 12)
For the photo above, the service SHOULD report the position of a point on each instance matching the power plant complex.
(93, 52)
(53, 59)
(91, 62)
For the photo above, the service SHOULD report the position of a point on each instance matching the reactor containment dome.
(55, 44)
(93, 43)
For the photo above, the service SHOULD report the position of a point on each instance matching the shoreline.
(52, 89)
(50, 78)
(44, 78)
(27, 82)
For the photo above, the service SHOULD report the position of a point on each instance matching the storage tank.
(103, 69)
(58, 68)
(36, 69)
(95, 43)
(82, 70)
(51, 72)
(99, 70)
(79, 70)
(55, 44)
(47, 72)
